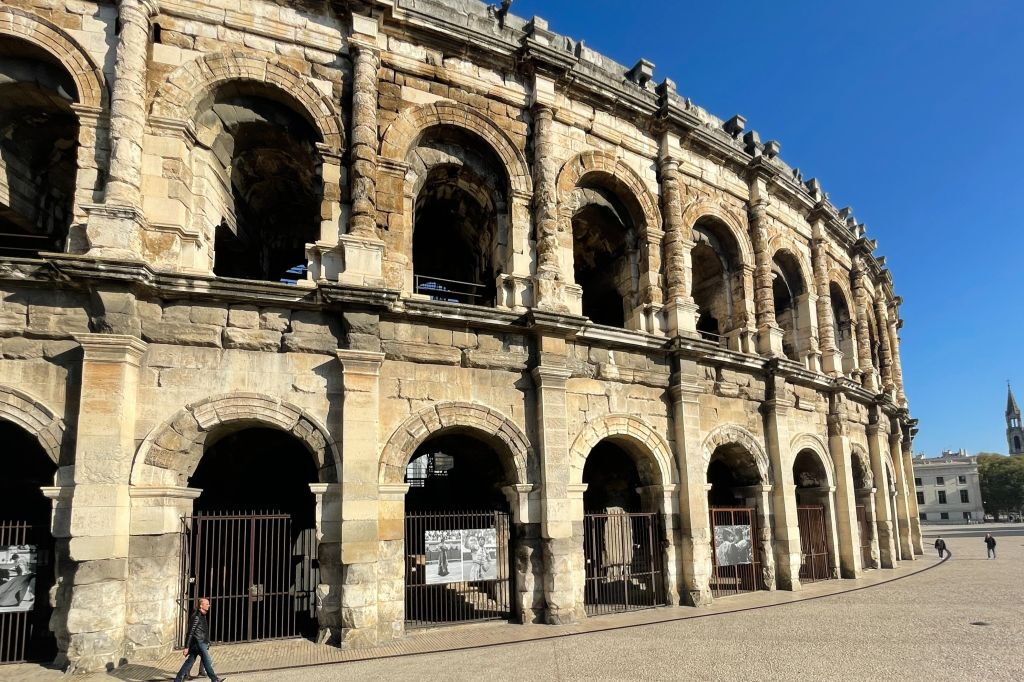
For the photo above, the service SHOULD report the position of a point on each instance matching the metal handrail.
(436, 289)
(716, 338)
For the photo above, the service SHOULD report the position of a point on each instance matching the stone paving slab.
(277, 655)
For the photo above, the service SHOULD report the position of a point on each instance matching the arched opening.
(843, 325)
(604, 253)
(27, 564)
(460, 217)
(716, 272)
(252, 545)
(787, 288)
(814, 511)
(38, 150)
(457, 532)
(740, 532)
(622, 533)
(1016, 444)
(259, 175)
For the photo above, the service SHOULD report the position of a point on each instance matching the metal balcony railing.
(717, 339)
(448, 290)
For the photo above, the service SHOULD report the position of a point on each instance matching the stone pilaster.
(93, 609)
(680, 311)
(831, 356)
(907, 454)
(866, 497)
(784, 515)
(903, 493)
(894, 348)
(360, 531)
(114, 230)
(769, 334)
(557, 509)
(328, 542)
(845, 498)
(885, 353)
(760, 498)
(524, 503)
(663, 499)
(366, 62)
(860, 297)
(877, 445)
(694, 523)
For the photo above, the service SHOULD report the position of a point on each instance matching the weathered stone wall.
(123, 353)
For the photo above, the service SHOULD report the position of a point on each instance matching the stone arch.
(706, 208)
(814, 443)
(401, 135)
(623, 178)
(777, 247)
(860, 454)
(24, 411)
(727, 434)
(842, 282)
(87, 76)
(636, 433)
(452, 416)
(183, 89)
(178, 444)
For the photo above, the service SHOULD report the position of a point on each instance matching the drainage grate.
(980, 622)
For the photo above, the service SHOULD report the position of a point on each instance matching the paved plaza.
(955, 620)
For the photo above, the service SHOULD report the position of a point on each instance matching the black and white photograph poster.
(733, 546)
(17, 578)
(444, 556)
(480, 554)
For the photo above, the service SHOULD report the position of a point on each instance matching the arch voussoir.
(654, 448)
(34, 417)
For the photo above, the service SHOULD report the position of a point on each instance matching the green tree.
(1002, 483)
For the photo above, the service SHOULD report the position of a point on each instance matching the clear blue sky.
(911, 112)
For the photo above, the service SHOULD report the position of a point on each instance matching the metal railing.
(457, 567)
(449, 290)
(717, 339)
(815, 561)
(258, 571)
(735, 555)
(622, 553)
(25, 555)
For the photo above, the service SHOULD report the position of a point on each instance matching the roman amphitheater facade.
(364, 265)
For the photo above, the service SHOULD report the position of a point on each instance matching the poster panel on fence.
(733, 545)
(454, 556)
(17, 578)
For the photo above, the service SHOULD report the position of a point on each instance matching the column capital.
(392, 492)
(359, 361)
(112, 348)
(547, 376)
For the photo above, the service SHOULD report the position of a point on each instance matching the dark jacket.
(198, 631)
(990, 542)
(940, 544)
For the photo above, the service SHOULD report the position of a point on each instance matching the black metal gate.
(258, 570)
(815, 560)
(622, 553)
(26, 574)
(457, 567)
(864, 530)
(735, 557)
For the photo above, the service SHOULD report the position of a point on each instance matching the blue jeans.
(204, 654)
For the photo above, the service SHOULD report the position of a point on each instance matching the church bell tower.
(1014, 432)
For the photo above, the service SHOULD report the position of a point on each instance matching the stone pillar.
(114, 230)
(885, 354)
(784, 515)
(694, 522)
(524, 503)
(360, 531)
(93, 607)
(903, 493)
(806, 331)
(391, 565)
(680, 310)
(860, 296)
(560, 551)
(769, 334)
(328, 545)
(760, 498)
(845, 498)
(883, 503)
(831, 356)
(894, 348)
(866, 497)
(916, 540)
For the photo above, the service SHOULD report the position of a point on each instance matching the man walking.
(198, 643)
(990, 543)
(940, 545)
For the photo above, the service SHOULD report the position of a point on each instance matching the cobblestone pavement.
(919, 627)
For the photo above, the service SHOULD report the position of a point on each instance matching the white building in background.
(948, 488)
